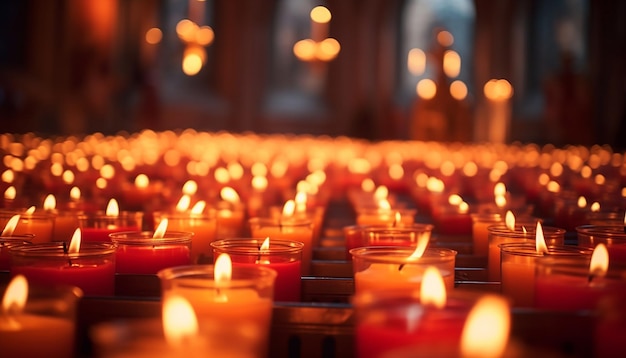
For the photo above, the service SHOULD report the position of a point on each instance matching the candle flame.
(10, 193)
(265, 246)
(30, 211)
(463, 207)
(75, 193)
(368, 185)
(179, 320)
(223, 270)
(300, 201)
(183, 203)
(599, 264)
(595, 207)
(113, 208)
(50, 202)
(230, 195)
(289, 208)
(455, 199)
(582, 202)
(509, 220)
(500, 201)
(487, 327)
(422, 242)
(198, 208)
(75, 242)
(381, 193)
(433, 289)
(15, 296)
(540, 242)
(384, 205)
(10, 226)
(397, 219)
(142, 181)
(499, 189)
(190, 187)
(259, 183)
(161, 229)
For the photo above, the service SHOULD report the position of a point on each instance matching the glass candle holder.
(237, 313)
(391, 322)
(138, 252)
(566, 285)
(6, 243)
(604, 218)
(96, 227)
(394, 236)
(284, 257)
(381, 268)
(518, 261)
(92, 269)
(614, 237)
(230, 220)
(65, 223)
(39, 224)
(289, 229)
(384, 217)
(203, 226)
(500, 234)
(450, 220)
(46, 327)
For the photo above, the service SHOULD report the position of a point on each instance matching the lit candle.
(90, 266)
(149, 252)
(65, 222)
(97, 227)
(284, 257)
(39, 224)
(37, 323)
(230, 215)
(233, 304)
(8, 240)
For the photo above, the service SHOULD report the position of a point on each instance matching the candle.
(452, 218)
(89, 266)
(230, 215)
(96, 227)
(583, 284)
(233, 304)
(284, 257)
(518, 268)
(613, 236)
(480, 234)
(381, 268)
(65, 222)
(40, 225)
(395, 236)
(37, 322)
(148, 252)
(288, 229)
(201, 221)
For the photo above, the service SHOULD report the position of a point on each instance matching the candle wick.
(590, 278)
(400, 267)
(66, 252)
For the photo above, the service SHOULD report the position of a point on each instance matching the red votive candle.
(6, 242)
(97, 227)
(284, 256)
(92, 268)
(142, 253)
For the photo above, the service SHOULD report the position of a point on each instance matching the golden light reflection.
(179, 320)
(416, 61)
(426, 88)
(433, 288)
(458, 90)
(487, 328)
(10, 226)
(154, 36)
(451, 63)
(540, 242)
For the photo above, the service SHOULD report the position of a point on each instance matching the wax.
(518, 281)
(287, 286)
(382, 277)
(91, 234)
(149, 259)
(203, 227)
(35, 336)
(480, 233)
(573, 293)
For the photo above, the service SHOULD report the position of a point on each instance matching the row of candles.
(389, 250)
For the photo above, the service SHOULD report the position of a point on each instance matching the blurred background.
(444, 70)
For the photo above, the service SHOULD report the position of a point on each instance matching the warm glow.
(154, 36)
(50, 202)
(435, 185)
(265, 246)
(426, 89)
(498, 90)
(289, 208)
(192, 62)
(30, 210)
(107, 171)
(68, 177)
(599, 179)
(433, 289)
(445, 38)
(328, 49)
(455, 199)
(463, 207)
(509, 220)
(499, 189)
(179, 320)
(359, 166)
(10, 193)
(396, 172)
(161, 229)
(500, 201)
(458, 90)
(74, 247)
(553, 187)
(259, 183)
(470, 169)
(556, 169)
(381, 193)
(56, 169)
(540, 242)
(582, 202)
(447, 168)
(586, 172)
(183, 203)
(230, 195)
(487, 327)
(8, 176)
(15, 295)
(186, 29)
(422, 243)
(543, 179)
(101, 183)
(113, 208)
(190, 187)
(595, 207)
(223, 270)
(451, 63)
(383, 205)
(221, 175)
(198, 208)
(142, 181)
(305, 50)
(368, 185)
(10, 226)
(416, 61)
(300, 201)
(599, 264)
(205, 36)
(320, 14)
(397, 219)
